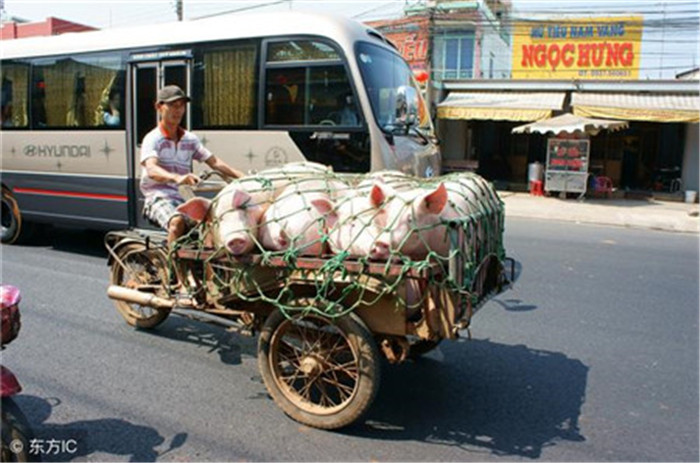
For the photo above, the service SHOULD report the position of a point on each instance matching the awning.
(638, 106)
(500, 106)
(570, 123)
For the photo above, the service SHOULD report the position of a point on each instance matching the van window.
(307, 84)
(224, 87)
(81, 92)
(15, 83)
(300, 50)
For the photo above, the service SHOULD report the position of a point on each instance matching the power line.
(245, 8)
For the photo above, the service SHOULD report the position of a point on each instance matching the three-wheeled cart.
(323, 322)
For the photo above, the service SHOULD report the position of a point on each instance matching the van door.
(148, 76)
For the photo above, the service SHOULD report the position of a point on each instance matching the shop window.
(78, 92)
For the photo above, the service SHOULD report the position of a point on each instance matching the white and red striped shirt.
(175, 156)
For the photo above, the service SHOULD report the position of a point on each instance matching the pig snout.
(380, 250)
(238, 245)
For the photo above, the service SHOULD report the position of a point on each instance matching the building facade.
(50, 26)
(484, 75)
(449, 39)
(657, 153)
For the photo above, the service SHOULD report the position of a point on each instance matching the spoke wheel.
(323, 373)
(146, 271)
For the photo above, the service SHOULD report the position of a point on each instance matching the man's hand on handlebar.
(188, 179)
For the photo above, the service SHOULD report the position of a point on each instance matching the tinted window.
(81, 92)
(15, 83)
(300, 50)
(384, 73)
(225, 84)
(310, 93)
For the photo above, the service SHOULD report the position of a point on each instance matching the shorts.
(161, 210)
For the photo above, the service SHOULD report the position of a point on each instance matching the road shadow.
(72, 240)
(229, 346)
(78, 440)
(482, 397)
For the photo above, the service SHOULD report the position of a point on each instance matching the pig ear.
(284, 238)
(322, 205)
(436, 201)
(379, 193)
(331, 219)
(195, 208)
(240, 198)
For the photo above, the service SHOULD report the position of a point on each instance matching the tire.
(16, 433)
(11, 218)
(147, 272)
(322, 373)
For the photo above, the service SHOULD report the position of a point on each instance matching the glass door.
(147, 78)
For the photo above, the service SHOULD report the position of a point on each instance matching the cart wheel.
(322, 373)
(146, 270)
(421, 347)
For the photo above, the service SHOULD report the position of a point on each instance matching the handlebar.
(204, 186)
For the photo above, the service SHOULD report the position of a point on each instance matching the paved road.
(593, 356)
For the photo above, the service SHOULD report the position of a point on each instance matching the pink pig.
(411, 221)
(234, 214)
(354, 230)
(236, 211)
(299, 217)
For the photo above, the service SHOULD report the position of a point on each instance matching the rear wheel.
(143, 270)
(323, 373)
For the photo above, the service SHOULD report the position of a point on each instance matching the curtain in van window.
(229, 87)
(73, 90)
(15, 82)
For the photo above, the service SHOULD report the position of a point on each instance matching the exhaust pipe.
(133, 296)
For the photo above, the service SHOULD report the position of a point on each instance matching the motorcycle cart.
(323, 322)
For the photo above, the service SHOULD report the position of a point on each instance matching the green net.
(342, 241)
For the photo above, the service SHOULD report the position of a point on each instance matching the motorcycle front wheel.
(16, 433)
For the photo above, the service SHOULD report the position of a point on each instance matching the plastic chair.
(603, 185)
(536, 188)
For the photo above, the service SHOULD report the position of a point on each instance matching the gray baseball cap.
(171, 93)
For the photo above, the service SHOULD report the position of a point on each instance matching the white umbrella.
(571, 123)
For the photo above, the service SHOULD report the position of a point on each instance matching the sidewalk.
(651, 214)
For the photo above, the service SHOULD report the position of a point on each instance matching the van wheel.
(11, 218)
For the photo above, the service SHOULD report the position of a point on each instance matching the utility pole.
(178, 9)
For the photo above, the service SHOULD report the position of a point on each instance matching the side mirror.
(406, 106)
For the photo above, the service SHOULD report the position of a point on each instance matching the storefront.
(657, 152)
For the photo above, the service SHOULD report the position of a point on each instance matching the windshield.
(384, 72)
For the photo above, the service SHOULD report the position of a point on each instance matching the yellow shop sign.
(590, 48)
